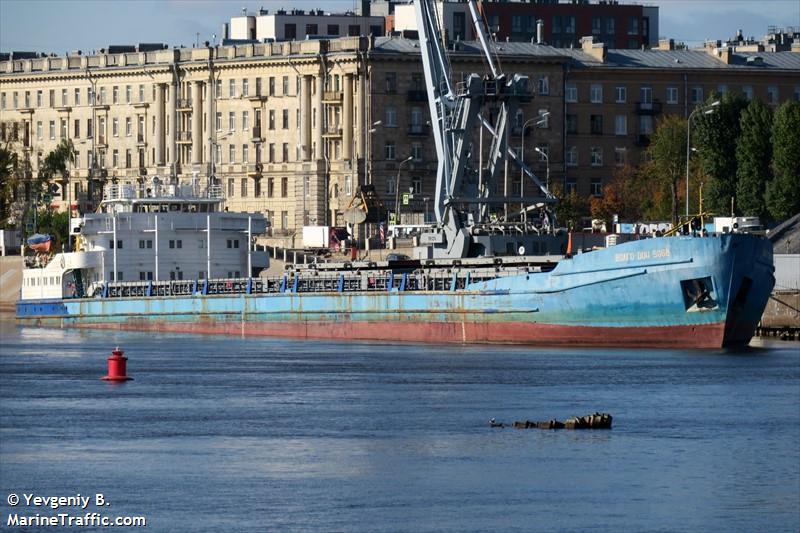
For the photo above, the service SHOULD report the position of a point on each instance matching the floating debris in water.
(595, 421)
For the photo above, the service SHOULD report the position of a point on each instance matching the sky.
(60, 26)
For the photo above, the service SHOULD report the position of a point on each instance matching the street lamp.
(397, 190)
(369, 150)
(706, 111)
(547, 162)
(539, 120)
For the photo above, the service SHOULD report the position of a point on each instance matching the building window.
(610, 26)
(271, 119)
(245, 154)
(218, 154)
(391, 82)
(284, 187)
(621, 94)
(232, 88)
(571, 123)
(596, 124)
(270, 187)
(596, 187)
(245, 87)
(672, 95)
(544, 85)
(285, 83)
(571, 186)
(115, 127)
(115, 158)
(597, 156)
(621, 125)
(271, 153)
(232, 154)
(244, 187)
(697, 94)
(596, 93)
(39, 130)
(572, 156)
(747, 91)
(597, 25)
(722, 89)
(114, 94)
(416, 185)
(348, 185)
(391, 117)
(285, 152)
(646, 124)
(285, 119)
(772, 94)
(284, 219)
(389, 151)
(218, 121)
(245, 120)
(231, 187)
(633, 26)
(232, 120)
(128, 127)
(416, 151)
(620, 156)
(571, 92)
(52, 129)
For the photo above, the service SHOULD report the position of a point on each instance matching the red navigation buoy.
(117, 364)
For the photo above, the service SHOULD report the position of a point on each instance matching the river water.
(229, 434)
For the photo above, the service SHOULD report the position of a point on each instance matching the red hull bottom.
(699, 336)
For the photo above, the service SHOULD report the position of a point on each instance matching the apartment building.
(292, 129)
(297, 25)
(559, 24)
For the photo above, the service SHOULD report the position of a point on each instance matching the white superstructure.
(158, 233)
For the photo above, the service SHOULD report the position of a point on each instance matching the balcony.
(648, 108)
(334, 97)
(642, 140)
(184, 136)
(101, 141)
(184, 104)
(256, 136)
(417, 130)
(334, 130)
(417, 96)
(254, 170)
(259, 96)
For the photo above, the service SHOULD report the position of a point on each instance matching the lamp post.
(538, 120)
(547, 162)
(368, 175)
(397, 190)
(707, 110)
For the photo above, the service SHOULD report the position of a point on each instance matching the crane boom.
(455, 114)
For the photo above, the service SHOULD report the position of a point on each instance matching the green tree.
(715, 135)
(783, 192)
(753, 157)
(570, 208)
(55, 164)
(9, 165)
(668, 156)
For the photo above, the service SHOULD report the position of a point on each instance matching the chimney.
(596, 50)
(539, 31)
(666, 44)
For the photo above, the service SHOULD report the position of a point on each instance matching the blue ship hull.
(672, 291)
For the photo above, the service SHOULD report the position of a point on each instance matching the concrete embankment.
(10, 282)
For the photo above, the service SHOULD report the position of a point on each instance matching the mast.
(461, 196)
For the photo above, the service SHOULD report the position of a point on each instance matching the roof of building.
(615, 58)
(785, 237)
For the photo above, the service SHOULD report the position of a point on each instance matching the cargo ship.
(488, 272)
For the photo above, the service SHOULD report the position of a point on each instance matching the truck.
(324, 237)
(738, 225)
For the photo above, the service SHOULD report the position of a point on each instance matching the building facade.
(292, 129)
(298, 25)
